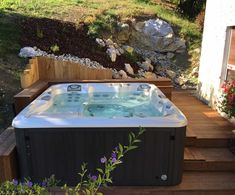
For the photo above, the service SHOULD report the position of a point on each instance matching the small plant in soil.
(39, 32)
(133, 56)
(55, 48)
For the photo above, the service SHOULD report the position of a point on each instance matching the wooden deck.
(209, 166)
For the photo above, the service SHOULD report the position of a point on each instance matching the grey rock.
(171, 74)
(112, 54)
(149, 75)
(100, 42)
(146, 65)
(170, 55)
(123, 33)
(28, 52)
(123, 74)
(109, 42)
(129, 69)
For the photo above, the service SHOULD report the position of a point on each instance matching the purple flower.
(113, 155)
(114, 160)
(44, 184)
(103, 160)
(94, 177)
(14, 182)
(29, 184)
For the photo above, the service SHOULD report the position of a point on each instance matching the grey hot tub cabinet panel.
(61, 151)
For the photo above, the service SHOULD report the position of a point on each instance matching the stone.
(156, 35)
(146, 65)
(100, 42)
(112, 54)
(121, 51)
(171, 74)
(170, 55)
(149, 75)
(109, 42)
(129, 69)
(153, 34)
(115, 74)
(27, 52)
(123, 33)
(180, 80)
(123, 74)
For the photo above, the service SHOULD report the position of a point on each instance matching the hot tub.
(73, 123)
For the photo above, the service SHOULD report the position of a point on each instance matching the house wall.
(219, 15)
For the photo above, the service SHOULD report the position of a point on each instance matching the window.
(231, 54)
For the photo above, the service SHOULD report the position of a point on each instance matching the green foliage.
(55, 48)
(134, 57)
(143, 1)
(9, 35)
(25, 188)
(90, 184)
(15, 187)
(39, 32)
(103, 22)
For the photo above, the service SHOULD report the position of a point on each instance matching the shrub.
(227, 103)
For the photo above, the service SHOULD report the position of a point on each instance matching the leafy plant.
(90, 183)
(39, 32)
(55, 48)
(15, 187)
(227, 103)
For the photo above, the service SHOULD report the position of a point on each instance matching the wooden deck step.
(8, 165)
(206, 128)
(208, 159)
(194, 183)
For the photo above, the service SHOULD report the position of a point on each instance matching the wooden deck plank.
(207, 125)
(197, 183)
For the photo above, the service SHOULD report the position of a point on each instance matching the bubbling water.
(105, 104)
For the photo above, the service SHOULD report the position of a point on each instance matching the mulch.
(71, 39)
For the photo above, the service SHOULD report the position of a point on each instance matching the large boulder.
(156, 35)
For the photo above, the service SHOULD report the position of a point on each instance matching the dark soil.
(71, 39)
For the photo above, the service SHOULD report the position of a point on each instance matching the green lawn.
(99, 12)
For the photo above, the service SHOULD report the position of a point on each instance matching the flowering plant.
(27, 187)
(90, 183)
(227, 104)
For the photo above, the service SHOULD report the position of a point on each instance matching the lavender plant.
(90, 183)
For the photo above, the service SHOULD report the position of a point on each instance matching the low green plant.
(55, 48)
(39, 32)
(15, 187)
(90, 183)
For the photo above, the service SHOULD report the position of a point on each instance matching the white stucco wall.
(219, 15)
